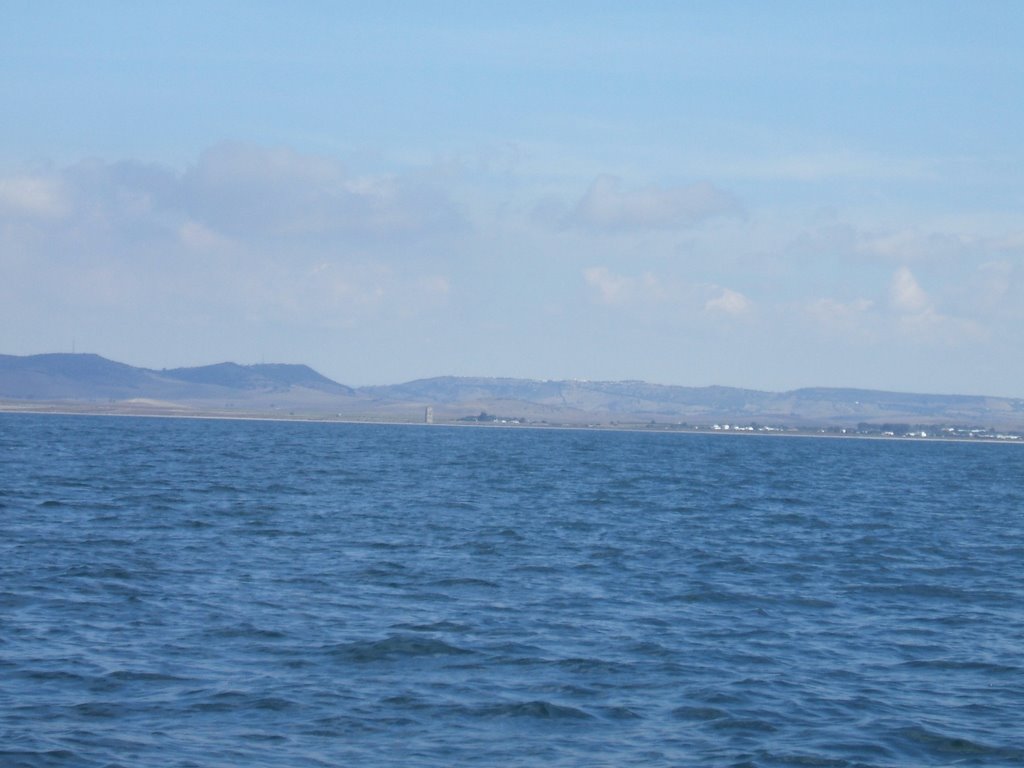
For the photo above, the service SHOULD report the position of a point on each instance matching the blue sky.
(766, 195)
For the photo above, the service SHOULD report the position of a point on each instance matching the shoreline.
(9, 407)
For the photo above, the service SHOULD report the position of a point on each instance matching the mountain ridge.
(274, 387)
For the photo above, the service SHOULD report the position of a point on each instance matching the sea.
(202, 593)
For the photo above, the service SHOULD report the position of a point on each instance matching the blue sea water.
(228, 593)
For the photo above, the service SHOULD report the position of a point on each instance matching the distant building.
(428, 415)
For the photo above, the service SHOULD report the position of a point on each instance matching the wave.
(920, 740)
(538, 708)
(394, 647)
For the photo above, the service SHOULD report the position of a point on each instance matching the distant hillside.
(638, 400)
(275, 376)
(71, 377)
(255, 389)
(91, 377)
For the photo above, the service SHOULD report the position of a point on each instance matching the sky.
(752, 194)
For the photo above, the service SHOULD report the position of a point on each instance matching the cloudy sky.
(757, 194)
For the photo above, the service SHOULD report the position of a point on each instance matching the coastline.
(181, 412)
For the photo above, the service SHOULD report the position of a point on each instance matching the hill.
(264, 377)
(89, 381)
(642, 401)
(91, 378)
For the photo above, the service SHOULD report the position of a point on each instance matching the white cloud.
(648, 290)
(244, 190)
(197, 237)
(903, 245)
(909, 316)
(831, 309)
(906, 295)
(995, 286)
(859, 321)
(850, 318)
(243, 235)
(33, 196)
(331, 295)
(729, 302)
(609, 205)
(611, 288)
(238, 192)
(918, 319)
(914, 245)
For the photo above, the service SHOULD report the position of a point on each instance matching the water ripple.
(199, 593)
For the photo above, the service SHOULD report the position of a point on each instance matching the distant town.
(914, 431)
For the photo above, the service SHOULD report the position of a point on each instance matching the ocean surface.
(228, 593)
